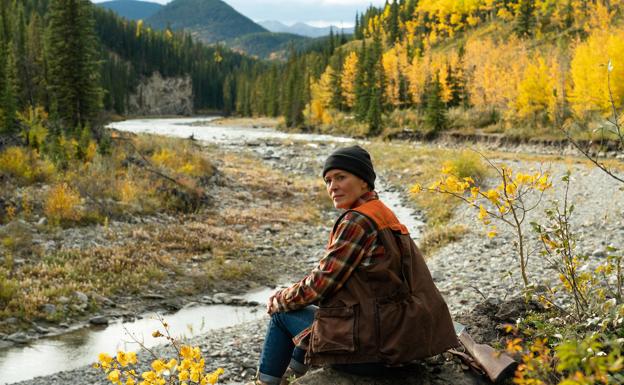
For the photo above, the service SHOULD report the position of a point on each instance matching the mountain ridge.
(301, 28)
(210, 21)
(131, 9)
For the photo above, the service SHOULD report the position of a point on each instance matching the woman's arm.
(352, 240)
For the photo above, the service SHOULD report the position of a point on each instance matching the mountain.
(266, 45)
(301, 28)
(210, 21)
(131, 9)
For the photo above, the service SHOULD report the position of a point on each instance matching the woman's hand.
(272, 305)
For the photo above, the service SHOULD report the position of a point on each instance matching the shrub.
(8, 288)
(61, 204)
(25, 165)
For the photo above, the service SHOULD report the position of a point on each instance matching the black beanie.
(353, 159)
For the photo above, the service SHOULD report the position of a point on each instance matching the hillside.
(131, 9)
(209, 21)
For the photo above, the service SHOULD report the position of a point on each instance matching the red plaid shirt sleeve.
(352, 239)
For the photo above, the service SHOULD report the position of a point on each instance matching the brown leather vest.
(389, 312)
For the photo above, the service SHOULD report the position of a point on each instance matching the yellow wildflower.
(105, 360)
(482, 212)
(159, 366)
(114, 376)
(492, 233)
(417, 188)
(543, 183)
(125, 359)
(524, 179)
(183, 375)
(474, 192)
(493, 195)
(130, 381)
(469, 180)
(172, 364)
(186, 351)
(510, 189)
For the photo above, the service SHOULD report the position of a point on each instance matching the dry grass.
(214, 245)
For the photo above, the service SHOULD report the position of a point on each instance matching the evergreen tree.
(393, 23)
(375, 74)
(361, 88)
(525, 18)
(9, 94)
(228, 95)
(74, 71)
(357, 32)
(435, 112)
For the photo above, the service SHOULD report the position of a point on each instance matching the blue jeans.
(279, 351)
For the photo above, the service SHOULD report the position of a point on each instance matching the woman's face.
(344, 188)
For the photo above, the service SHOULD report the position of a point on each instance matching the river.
(80, 347)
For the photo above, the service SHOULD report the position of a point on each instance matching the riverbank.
(466, 271)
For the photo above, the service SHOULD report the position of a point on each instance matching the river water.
(80, 347)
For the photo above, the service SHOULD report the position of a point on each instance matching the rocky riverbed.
(467, 272)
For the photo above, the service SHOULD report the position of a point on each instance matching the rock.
(99, 320)
(48, 308)
(10, 321)
(418, 374)
(81, 297)
(599, 253)
(162, 96)
(42, 221)
(19, 338)
(100, 299)
(153, 296)
(5, 344)
(222, 298)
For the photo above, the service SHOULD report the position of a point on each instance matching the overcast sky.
(315, 12)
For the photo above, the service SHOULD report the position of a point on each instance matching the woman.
(370, 302)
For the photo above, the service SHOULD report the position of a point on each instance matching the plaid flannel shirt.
(353, 241)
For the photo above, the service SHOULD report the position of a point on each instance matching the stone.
(81, 297)
(153, 296)
(48, 308)
(19, 338)
(162, 96)
(419, 374)
(42, 221)
(99, 320)
(599, 253)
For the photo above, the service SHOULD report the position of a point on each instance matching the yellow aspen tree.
(536, 90)
(494, 71)
(589, 71)
(321, 93)
(395, 64)
(392, 76)
(347, 80)
(417, 77)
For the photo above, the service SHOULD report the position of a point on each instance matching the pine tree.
(525, 18)
(74, 70)
(25, 96)
(361, 88)
(435, 112)
(375, 76)
(9, 94)
(357, 30)
(393, 23)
